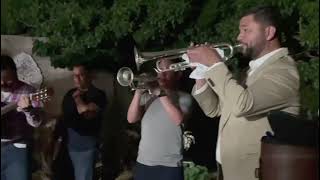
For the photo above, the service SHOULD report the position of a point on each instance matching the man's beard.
(251, 53)
(248, 52)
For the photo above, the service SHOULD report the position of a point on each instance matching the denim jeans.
(14, 163)
(82, 151)
(83, 163)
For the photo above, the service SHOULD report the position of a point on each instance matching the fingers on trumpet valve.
(191, 44)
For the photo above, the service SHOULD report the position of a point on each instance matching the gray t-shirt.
(161, 139)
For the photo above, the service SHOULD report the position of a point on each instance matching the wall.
(114, 123)
(61, 79)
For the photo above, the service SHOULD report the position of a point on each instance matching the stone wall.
(58, 78)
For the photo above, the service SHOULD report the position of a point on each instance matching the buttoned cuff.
(216, 75)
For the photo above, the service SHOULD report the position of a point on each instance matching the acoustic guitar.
(42, 95)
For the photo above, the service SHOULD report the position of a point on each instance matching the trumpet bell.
(125, 76)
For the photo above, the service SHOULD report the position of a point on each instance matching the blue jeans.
(82, 151)
(83, 163)
(14, 163)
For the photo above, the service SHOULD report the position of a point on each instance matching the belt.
(5, 143)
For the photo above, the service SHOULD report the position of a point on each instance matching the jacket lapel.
(253, 77)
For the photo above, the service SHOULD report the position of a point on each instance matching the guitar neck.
(39, 96)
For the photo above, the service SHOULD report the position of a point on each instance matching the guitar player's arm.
(33, 113)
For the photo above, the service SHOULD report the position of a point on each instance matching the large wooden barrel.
(288, 162)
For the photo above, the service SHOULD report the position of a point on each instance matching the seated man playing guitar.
(20, 112)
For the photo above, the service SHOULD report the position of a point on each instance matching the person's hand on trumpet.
(156, 90)
(204, 54)
(149, 84)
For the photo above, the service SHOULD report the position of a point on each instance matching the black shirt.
(76, 121)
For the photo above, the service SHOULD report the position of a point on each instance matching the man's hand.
(24, 102)
(81, 106)
(91, 111)
(77, 98)
(93, 107)
(155, 91)
(200, 83)
(204, 54)
(76, 94)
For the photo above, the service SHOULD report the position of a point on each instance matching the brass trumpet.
(142, 57)
(125, 77)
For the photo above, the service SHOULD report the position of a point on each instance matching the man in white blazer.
(272, 83)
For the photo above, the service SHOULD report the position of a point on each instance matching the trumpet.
(125, 77)
(142, 57)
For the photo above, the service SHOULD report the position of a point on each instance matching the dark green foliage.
(103, 33)
(309, 74)
(193, 171)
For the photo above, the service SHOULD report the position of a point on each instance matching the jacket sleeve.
(273, 90)
(208, 101)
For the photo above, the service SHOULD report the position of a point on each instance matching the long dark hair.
(7, 63)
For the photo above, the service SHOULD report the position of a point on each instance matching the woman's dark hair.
(7, 63)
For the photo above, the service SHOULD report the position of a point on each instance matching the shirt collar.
(254, 64)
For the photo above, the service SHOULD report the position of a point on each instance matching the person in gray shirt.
(161, 114)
